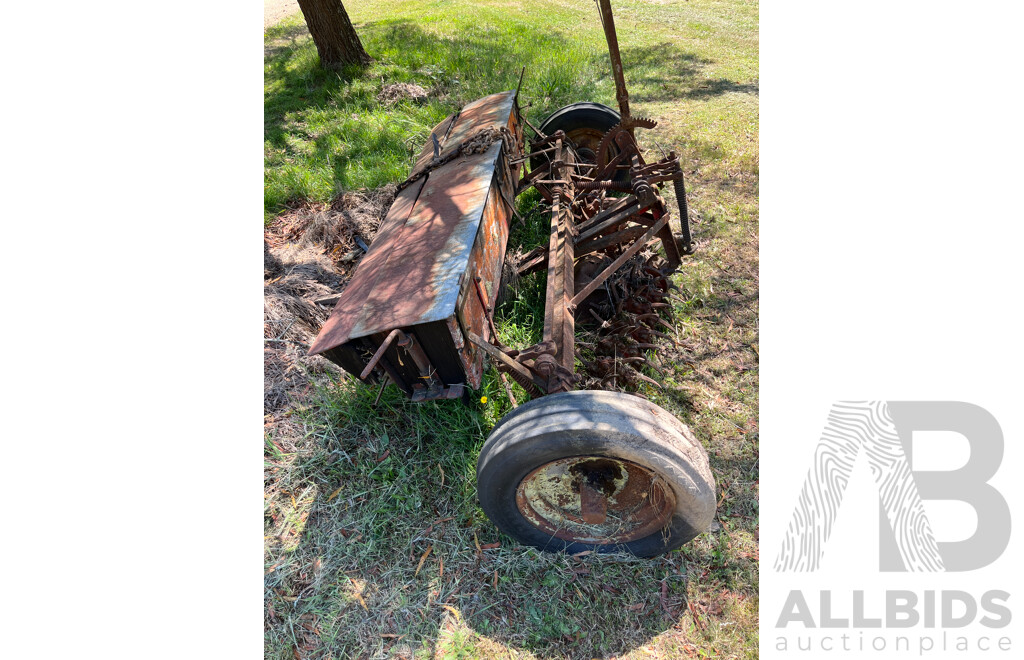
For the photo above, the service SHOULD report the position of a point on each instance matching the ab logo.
(883, 430)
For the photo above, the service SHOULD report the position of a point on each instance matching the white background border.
(891, 237)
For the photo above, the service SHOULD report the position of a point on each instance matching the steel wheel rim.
(595, 499)
(587, 140)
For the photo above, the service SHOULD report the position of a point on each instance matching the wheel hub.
(595, 499)
(587, 141)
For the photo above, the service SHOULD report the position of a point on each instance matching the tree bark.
(335, 38)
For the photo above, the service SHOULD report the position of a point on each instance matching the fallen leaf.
(635, 608)
(490, 546)
(664, 598)
(423, 559)
(334, 494)
(696, 617)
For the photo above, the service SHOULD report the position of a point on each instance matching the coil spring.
(525, 383)
(684, 214)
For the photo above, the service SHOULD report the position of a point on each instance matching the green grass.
(355, 495)
(325, 133)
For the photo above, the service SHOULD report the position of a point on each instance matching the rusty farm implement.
(572, 469)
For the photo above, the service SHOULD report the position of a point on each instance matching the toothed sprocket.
(608, 139)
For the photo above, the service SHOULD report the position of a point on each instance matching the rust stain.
(414, 269)
(595, 499)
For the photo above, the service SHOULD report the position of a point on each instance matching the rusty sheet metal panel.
(431, 254)
(442, 231)
(486, 261)
(349, 307)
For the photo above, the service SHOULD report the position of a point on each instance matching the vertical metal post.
(613, 52)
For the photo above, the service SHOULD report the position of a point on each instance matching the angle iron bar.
(624, 203)
(488, 311)
(611, 221)
(500, 355)
(566, 351)
(552, 311)
(620, 237)
(540, 135)
(623, 258)
(668, 240)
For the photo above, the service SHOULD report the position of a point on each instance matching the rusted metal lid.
(410, 275)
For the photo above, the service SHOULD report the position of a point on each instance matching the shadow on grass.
(721, 86)
(396, 558)
(284, 38)
(665, 72)
(327, 133)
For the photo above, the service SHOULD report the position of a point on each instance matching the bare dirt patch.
(275, 10)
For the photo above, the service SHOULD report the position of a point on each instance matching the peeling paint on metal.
(411, 274)
(638, 502)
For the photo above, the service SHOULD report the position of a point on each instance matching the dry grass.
(395, 92)
(308, 255)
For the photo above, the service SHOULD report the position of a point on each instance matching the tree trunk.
(335, 38)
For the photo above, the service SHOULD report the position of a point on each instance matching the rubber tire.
(578, 115)
(597, 423)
